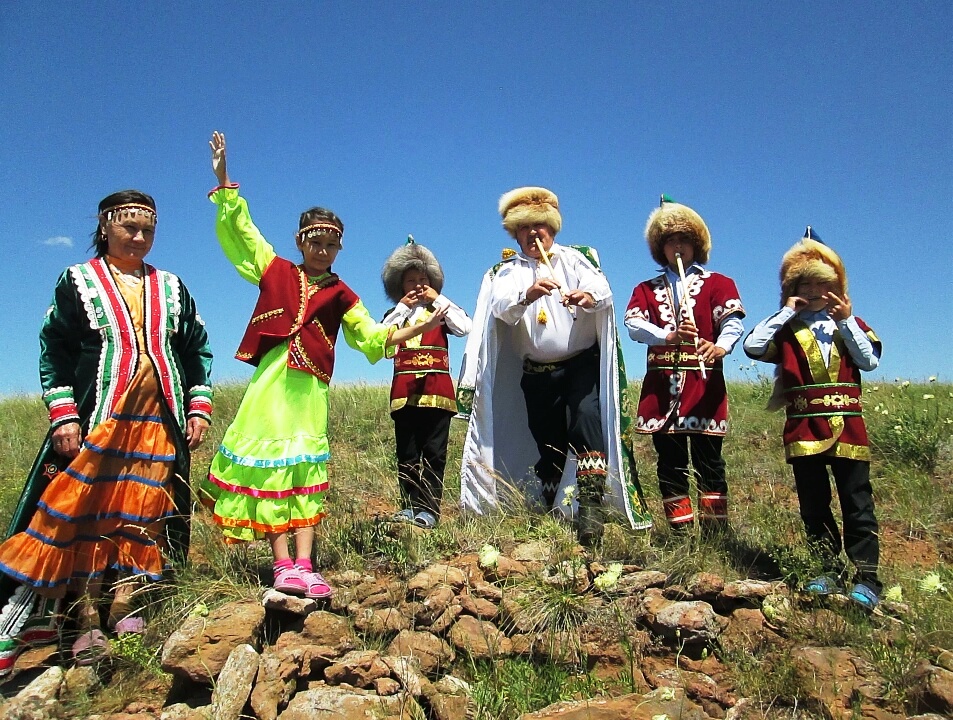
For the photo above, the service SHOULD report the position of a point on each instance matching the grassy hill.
(911, 426)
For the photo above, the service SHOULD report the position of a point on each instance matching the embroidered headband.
(117, 211)
(309, 231)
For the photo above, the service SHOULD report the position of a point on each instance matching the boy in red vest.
(690, 317)
(820, 348)
(422, 398)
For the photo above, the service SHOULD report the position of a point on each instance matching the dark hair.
(320, 214)
(100, 244)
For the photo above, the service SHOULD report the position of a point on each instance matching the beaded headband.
(308, 232)
(115, 211)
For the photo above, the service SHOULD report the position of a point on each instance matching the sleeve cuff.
(218, 194)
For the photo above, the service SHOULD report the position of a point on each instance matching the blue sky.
(415, 118)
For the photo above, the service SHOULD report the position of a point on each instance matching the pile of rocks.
(284, 658)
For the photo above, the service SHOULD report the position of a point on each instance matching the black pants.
(421, 434)
(709, 465)
(861, 535)
(572, 386)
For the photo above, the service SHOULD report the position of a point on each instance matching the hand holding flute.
(686, 307)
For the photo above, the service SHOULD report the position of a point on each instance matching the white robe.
(499, 451)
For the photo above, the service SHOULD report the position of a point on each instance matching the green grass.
(910, 425)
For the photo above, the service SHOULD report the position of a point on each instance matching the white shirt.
(546, 331)
(822, 326)
(456, 320)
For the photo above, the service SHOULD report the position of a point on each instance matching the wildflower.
(199, 610)
(928, 396)
(898, 428)
(932, 378)
(905, 383)
(931, 583)
(875, 388)
(885, 412)
(894, 594)
(661, 716)
(608, 579)
(667, 694)
(489, 556)
(568, 492)
(877, 407)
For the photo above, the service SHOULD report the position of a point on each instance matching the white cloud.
(59, 240)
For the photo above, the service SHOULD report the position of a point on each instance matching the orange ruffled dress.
(108, 508)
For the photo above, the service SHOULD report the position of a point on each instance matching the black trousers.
(673, 452)
(572, 387)
(861, 534)
(421, 435)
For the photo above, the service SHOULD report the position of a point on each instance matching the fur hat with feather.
(811, 259)
(410, 256)
(670, 218)
(528, 206)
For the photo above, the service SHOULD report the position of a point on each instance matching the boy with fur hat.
(422, 398)
(689, 327)
(545, 330)
(820, 348)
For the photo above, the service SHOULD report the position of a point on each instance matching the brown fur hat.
(410, 256)
(810, 259)
(529, 205)
(671, 218)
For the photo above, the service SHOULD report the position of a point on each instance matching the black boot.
(589, 525)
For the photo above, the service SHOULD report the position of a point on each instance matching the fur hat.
(670, 218)
(811, 259)
(530, 205)
(410, 256)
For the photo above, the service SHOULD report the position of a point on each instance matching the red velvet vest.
(824, 411)
(422, 374)
(307, 315)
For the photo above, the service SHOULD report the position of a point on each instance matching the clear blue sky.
(416, 117)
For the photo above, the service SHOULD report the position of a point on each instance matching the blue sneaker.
(405, 516)
(822, 585)
(425, 519)
(864, 596)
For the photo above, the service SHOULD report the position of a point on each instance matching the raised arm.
(219, 164)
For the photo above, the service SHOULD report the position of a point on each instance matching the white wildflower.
(200, 609)
(928, 396)
(932, 584)
(894, 594)
(660, 716)
(875, 388)
(667, 694)
(609, 579)
(489, 556)
(905, 383)
(932, 378)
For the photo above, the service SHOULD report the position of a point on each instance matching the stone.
(38, 700)
(407, 670)
(325, 628)
(537, 551)
(447, 618)
(335, 703)
(480, 638)
(359, 668)
(505, 568)
(934, 689)
(681, 621)
(478, 607)
(431, 652)
(386, 686)
(569, 575)
(382, 621)
(641, 581)
(668, 702)
(274, 600)
(234, 683)
(433, 604)
(437, 574)
(197, 651)
(278, 669)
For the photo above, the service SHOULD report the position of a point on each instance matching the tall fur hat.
(530, 205)
(410, 256)
(811, 259)
(669, 218)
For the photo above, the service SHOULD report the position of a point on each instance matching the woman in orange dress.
(124, 366)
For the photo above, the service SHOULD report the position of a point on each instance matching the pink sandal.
(317, 586)
(91, 646)
(291, 581)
